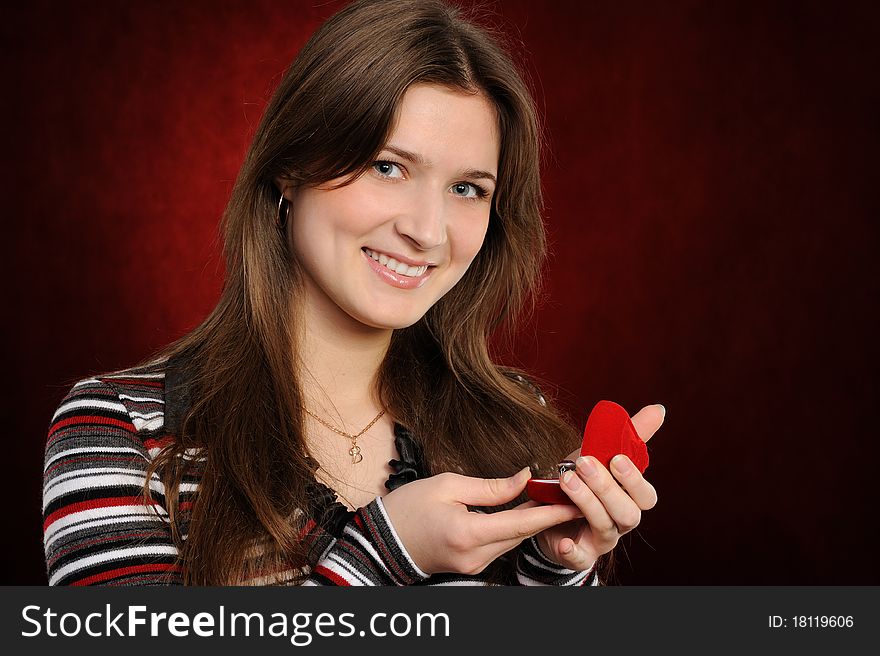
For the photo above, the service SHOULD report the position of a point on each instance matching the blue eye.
(387, 169)
(468, 190)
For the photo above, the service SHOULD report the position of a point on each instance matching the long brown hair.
(328, 119)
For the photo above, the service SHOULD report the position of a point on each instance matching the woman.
(338, 415)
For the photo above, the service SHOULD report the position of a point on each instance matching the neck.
(339, 359)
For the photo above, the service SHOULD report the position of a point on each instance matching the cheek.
(471, 236)
(351, 209)
(347, 210)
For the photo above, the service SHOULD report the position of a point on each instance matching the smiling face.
(382, 250)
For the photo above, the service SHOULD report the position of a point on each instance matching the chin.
(390, 313)
(391, 324)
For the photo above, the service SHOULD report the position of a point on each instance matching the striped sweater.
(97, 529)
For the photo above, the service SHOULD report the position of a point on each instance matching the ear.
(285, 186)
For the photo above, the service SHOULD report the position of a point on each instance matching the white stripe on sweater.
(577, 580)
(94, 404)
(348, 565)
(147, 425)
(99, 513)
(340, 568)
(143, 399)
(460, 582)
(94, 480)
(116, 554)
(78, 480)
(91, 471)
(140, 518)
(525, 580)
(558, 570)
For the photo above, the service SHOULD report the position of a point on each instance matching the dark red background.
(712, 201)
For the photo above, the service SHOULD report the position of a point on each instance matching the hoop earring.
(283, 212)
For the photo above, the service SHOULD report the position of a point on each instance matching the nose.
(423, 221)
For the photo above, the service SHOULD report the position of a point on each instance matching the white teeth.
(397, 267)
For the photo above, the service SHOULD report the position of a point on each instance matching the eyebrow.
(415, 158)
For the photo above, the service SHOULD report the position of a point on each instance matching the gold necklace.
(355, 450)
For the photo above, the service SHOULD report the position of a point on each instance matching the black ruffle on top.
(331, 514)
(410, 466)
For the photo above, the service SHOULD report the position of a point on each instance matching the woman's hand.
(609, 509)
(431, 518)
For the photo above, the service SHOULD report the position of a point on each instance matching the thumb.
(494, 491)
(648, 420)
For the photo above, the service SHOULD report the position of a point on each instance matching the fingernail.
(586, 466)
(662, 409)
(621, 464)
(567, 548)
(568, 480)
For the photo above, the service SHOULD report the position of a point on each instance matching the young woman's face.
(423, 209)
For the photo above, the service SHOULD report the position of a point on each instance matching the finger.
(576, 558)
(520, 523)
(490, 491)
(640, 490)
(648, 420)
(570, 555)
(527, 504)
(548, 541)
(619, 507)
(602, 524)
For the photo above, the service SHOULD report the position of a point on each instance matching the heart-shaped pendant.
(355, 453)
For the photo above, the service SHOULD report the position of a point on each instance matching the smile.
(397, 267)
(397, 274)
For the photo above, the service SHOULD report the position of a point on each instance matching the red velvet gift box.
(608, 432)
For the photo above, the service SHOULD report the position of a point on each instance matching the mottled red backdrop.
(712, 203)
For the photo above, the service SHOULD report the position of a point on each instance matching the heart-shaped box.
(608, 432)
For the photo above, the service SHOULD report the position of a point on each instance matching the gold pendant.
(355, 453)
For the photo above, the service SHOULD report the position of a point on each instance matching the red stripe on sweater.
(158, 443)
(311, 524)
(125, 571)
(356, 554)
(138, 580)
(157, 384)
(333, 576)
(80, 420)
(91, 505)
(383, 549)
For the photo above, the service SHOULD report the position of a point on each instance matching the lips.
(401, 266)
(396, 279)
